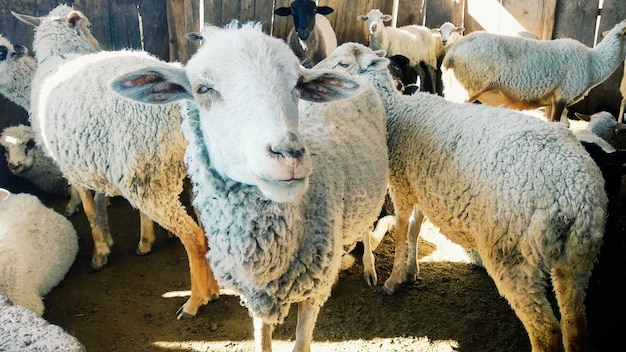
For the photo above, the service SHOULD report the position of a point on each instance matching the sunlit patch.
(445, 250)
(178, 294)
(493, 17)
(377, 344)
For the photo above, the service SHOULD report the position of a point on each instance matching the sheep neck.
(378, 39)
(606, 57)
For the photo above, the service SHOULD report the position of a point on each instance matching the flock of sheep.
(323, 134)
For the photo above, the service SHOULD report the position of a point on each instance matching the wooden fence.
(160, 26)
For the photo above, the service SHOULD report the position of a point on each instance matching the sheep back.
(37, 248)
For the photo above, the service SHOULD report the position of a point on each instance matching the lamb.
(286, 191)
(496, 69)
(312, 38)
(448, 33)
(522, 193)
(26, 159)
(17, 68)
(112, 145)
(415, 42)
(37, 248)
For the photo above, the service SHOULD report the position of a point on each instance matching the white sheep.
(286, 191)
(448, 33)
(312, 38)
(598, 128)
(523, 73)
(412, 41)
(522, 193)
(17, 69)
(26, 159)
(21, 329)
(37, 248)
(112, 145)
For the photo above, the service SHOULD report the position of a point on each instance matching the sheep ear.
(154, 85)
(362, 18)
(29, 20)
(583, 117)
(283, 11)
(194, 37)
(19, 51)
(387, 18)
(378, 64)
(324, 10)
(460, 30)
(380, 52)
(74, 17)
(321, 86)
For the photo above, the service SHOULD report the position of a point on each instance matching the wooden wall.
(164, 24)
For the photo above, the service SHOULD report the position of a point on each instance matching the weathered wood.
(181, 19)
(576, 19)
(155, 29)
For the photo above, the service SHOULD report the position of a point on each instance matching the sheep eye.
(204, 90)
(341, 64)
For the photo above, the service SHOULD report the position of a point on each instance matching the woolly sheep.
(415, 42)
(23, 330)
(312, 38)
(26, 159)
(496, 69)
(112, 145)
(522, 193)
(448, 33)
(286, 191)
(37, 248)
(17, 69)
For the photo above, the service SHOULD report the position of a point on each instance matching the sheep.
(112, 145)
(37, 248)
(312, 37)
(522, 193)
(523, 73)
(23, 330)
(17, 68)
(26, 159)
(283, 194)
(413, 41)
(448, 33)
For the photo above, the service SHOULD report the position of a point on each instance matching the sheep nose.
(373, 27)
(289, 147)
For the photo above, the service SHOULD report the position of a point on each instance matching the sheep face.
(352, 58)
(375, 20)
(19, 150)
(8, 55)
(449, 32)
(303, 12)
(246, 87)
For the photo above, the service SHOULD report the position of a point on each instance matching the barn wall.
(164, 24)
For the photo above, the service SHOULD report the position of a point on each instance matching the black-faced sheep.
(26, 159)
(523, 73)
(283, 194)
(312, 38)
(109, 144)
(16, 72)
(522, 193)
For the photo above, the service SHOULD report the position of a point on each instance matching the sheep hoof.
(370, 279)
(98, 262)
(139, 251)
(387, 290)
(182, 315)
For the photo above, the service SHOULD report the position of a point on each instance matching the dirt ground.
(130, 305)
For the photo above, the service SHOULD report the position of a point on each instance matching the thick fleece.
(37, 248)
(16, 72)
(521, 192)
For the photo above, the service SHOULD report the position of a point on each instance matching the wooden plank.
(576, 19)
(12, 29)
(181, 20)
(549, 11)
(264, 12)
(124, 24)
(155, 31)
(439, 12)
(213, 12)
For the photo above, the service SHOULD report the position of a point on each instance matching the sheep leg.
(97, 214)
(262, 335)
(369, 269)
(523, 287)
(622, 110)
(570, 295)
(398, 273)
(146, 236)
(307, 317)
(555, 111)
(203, 285)
(72, 206)
(415, 223)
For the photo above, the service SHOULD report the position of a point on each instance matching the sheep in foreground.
(414, 42)
(37, 248)
(523, 73)
(109, 144)
(26, 159)
(23, 330)
(286, 191)
(17, 69)
(522, 193)
(312, 39)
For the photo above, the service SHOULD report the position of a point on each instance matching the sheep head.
(19, 144)
(303, 13)
(375, 20)
(246, 87)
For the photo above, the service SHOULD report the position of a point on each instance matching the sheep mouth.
(283, 190)
(16, 170)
